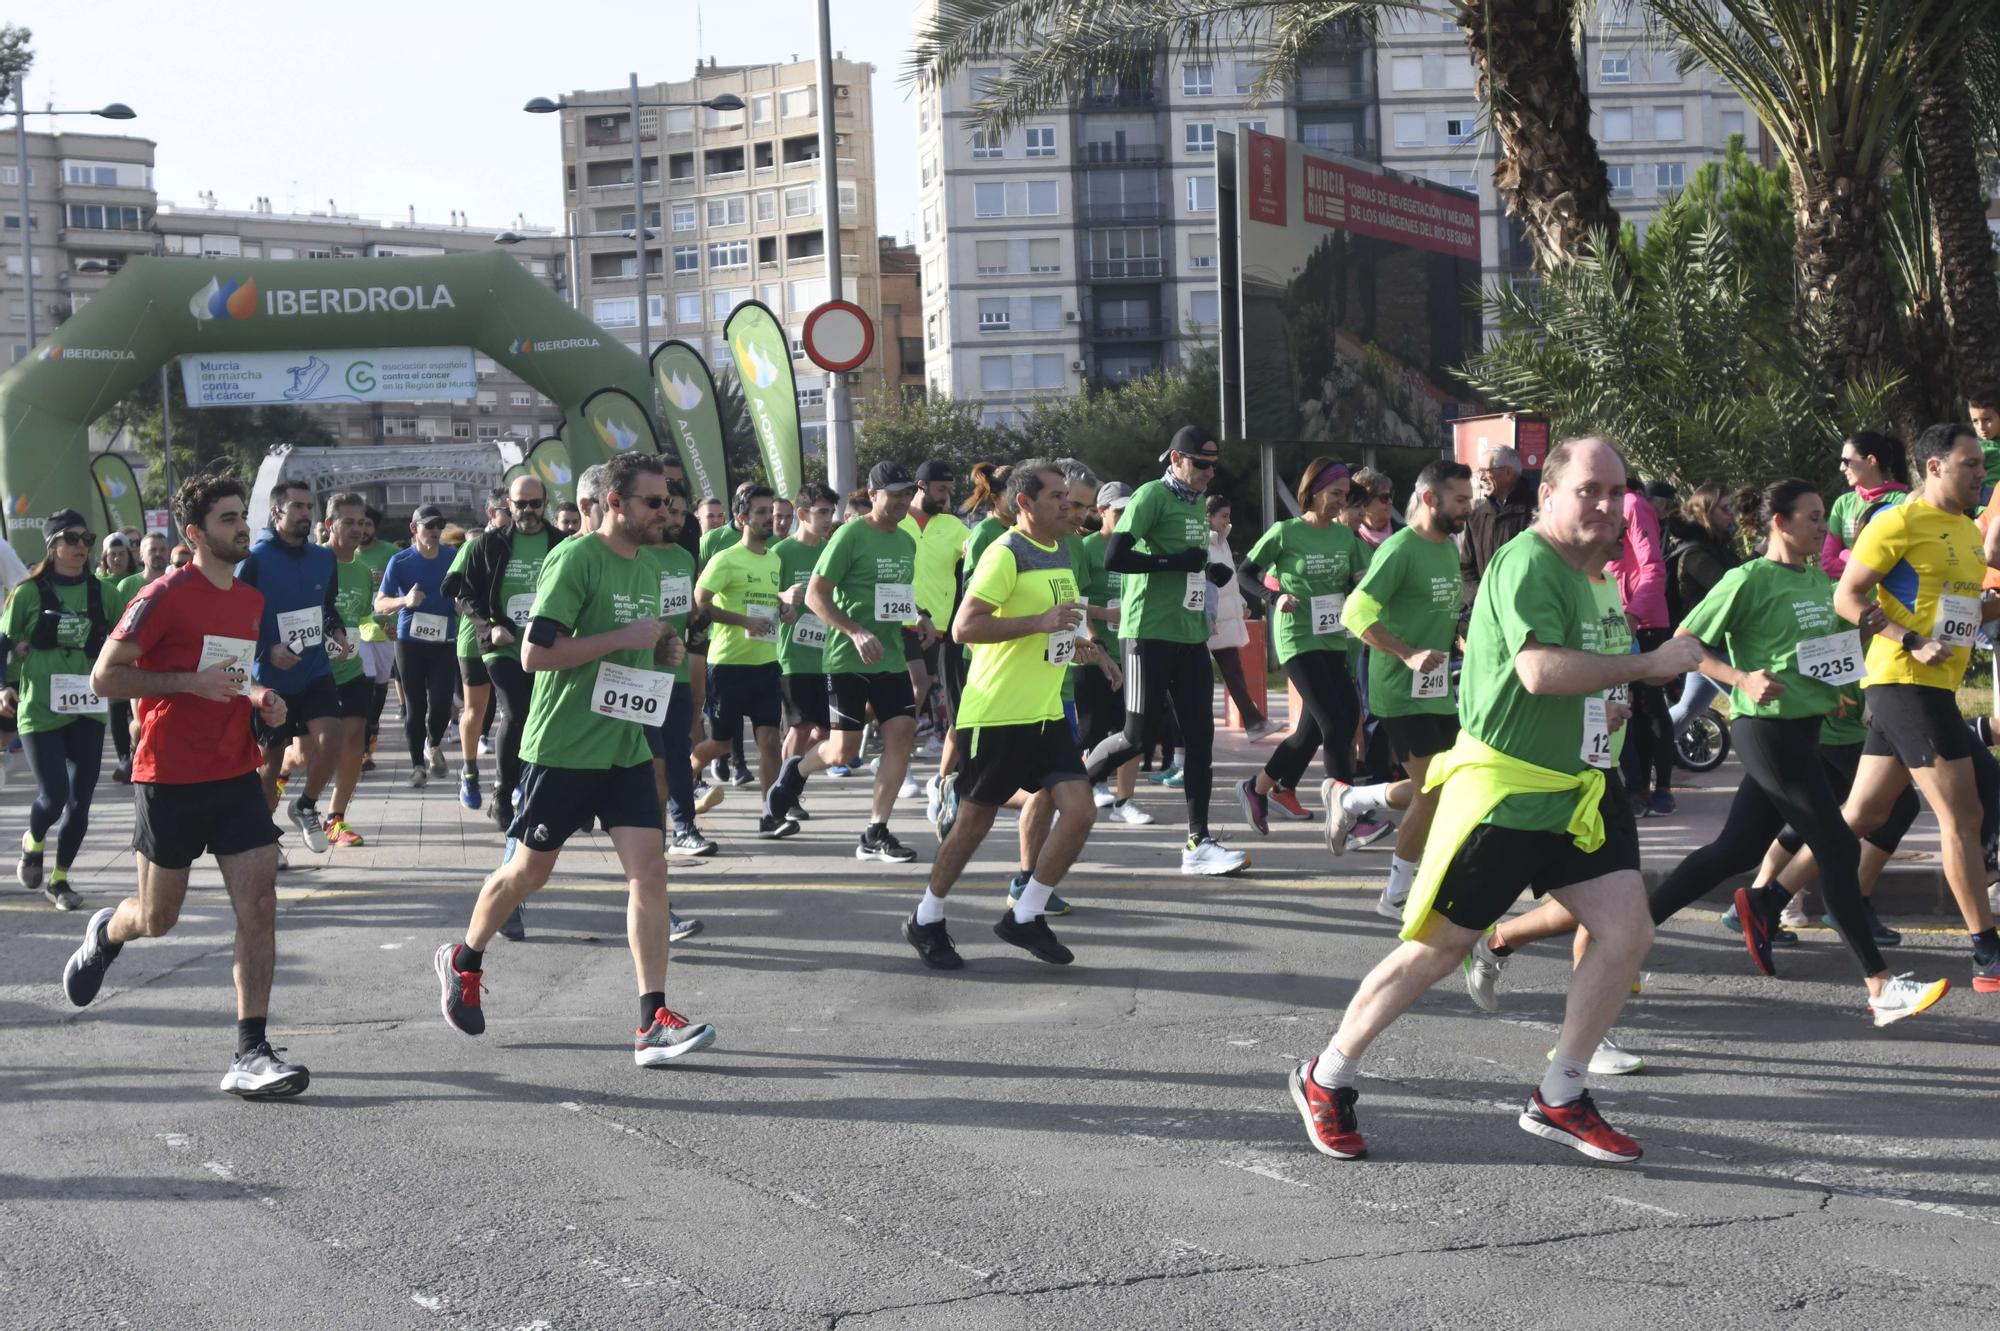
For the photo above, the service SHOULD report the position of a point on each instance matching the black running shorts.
(806, 700)
(356, 698)
(753, 691)
(1497, 864)
(1420, 735)
(315, 700)
(850, 696)
(1915, 724)
(558, 802)
(996, 761)
(173, 826)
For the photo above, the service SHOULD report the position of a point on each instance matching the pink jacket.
(1641, 567)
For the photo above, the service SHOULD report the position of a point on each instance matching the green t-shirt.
(984, 533)
(32, 674)
(795, 565)
(1019, 682)
(129, 585)
(1529, 591)
(869, 570)
(354, 598)
(1320, 566)
(1757, 616)
(518, 587)
(1848, 725)
(743, 583)
(1164, 607)
(375, 558)
(1610, 634)
(1844, 518)
(1073, 547)
(589, 589)
(468, 636)
(1991, 448)
(1413, 589)
(676, 568)
(713, 543)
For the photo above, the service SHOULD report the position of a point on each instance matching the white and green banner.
(372, 374)
(763, 356)
(549, 461)
(686, 398)
(615, 422)
(117, 492)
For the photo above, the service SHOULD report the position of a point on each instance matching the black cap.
(932, 471)
(427, 513)
(1192, 440)
(61, 521)
(889, 476)
(1662, 490)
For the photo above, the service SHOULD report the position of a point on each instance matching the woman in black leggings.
(1787, 656)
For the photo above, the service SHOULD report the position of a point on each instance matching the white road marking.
(1642, 1206)
(1265, 1169)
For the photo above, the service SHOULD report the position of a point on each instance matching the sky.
(380, 107)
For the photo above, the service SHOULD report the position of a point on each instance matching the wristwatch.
(1910, 639)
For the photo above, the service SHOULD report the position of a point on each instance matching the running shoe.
(338, 833)
(775, 829)
(61, 895)
(419, 778)
(741, 777)
(680, 928)
(460, 1000)
(797, 813)
(1129, 813)
(1794, 915)
(1662, 804)
(883, 847)
(670, 1036)
(435, 753)
(1610, 1059)
(83, 973)
(933, 944)
(1368, 831)
(367, 765)
(1256, 808)
(515, 927)
(262, 1075)
(947, 806)
(1259, 728)
(485, 747)
(690, 845)
(1905, 996)
(840, 769)
(1160, 777)
(1756, 934)
(1286, 802)
(1390, 907)
(707, 796)
(1209, 858)
(1779, 937)
(1101, 793)
(1331, 1125)
(910, 789)
(785, 790)
(1035, 936)
(284, 860)
(28, 873)
(1056, 905)
(1339, 821)
(1176, 779)
(1482, 974)
(1580, 1127)
(468, 791)
(122, 773)
(1985, 974)
(311, 830)
(931, 800)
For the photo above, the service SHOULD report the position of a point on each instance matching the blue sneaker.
(1780, 937)
(840, 769)
(468, 791)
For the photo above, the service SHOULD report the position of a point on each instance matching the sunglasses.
(1199, 463)
(73, 538)
(527, 503)
(654, 502)
(434, 526)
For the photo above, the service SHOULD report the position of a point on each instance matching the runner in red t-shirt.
(183, 651)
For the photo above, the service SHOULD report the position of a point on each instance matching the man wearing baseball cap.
(1160, 547)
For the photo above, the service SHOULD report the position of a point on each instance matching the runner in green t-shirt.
(1534, 714)
(738, 593)
(1406, 611)
(475, 684)
(594, 645)
(354, 599)
(802, 638)
(378, 632)
(117, 567)
(863, 588)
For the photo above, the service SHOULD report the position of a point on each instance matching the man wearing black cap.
(940, 538)
(1161, 549)
(863, 589)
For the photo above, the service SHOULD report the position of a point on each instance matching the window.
(1201, 194)
(995, 314)
(687, 307)
(1460, 129)
(996, 374)
(520, 397)
(1048, 372)
(14, 222)
(1017, 198)
(1198, 80)
(1669, 177)
(931, 333)
(1618, 125)
(1045, 256)
(1732, 123)
(683, 217)
(1458, 72)
(1466, 182)
(485, 432)
(983, 79)
(103, 216)
(767, 206)
(795, 102)
(1669, 124)
(1410, 131)
(760, 108)
(850, 200)
(1201, 136)
(11, 175)
(1621, 181)
(1201, 249)
(1044, 313)
(687, 258)
(1205, 308)
(812, 399)
(806, 293)
(617, 312)
(14, 265)
(733, 210)
(772, 296)
(1041, 141)
(986, 145)
(1247, 74)
(728, 254)
(1614, 69)
(721, 302)
(1252, 126)
(801, 200)
(124, 175)
(1406, 73)
(714, 119)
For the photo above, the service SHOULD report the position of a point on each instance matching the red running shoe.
(1287, 803)
(1329, 1115)
(1756, 933)
(1580, 1127)
(460, 1000)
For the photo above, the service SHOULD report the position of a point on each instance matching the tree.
(207, 438)
(912, 430)
(15, 58)
(1948, 149)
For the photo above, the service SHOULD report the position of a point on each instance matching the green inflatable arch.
(159, 308)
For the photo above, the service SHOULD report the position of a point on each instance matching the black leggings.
(1161, 677)
(1229, 660)
(1332, 710)
(1648, 762)
(430, 670)
(1787, 783)
(121, 729)
(65, 763)
(1841, 761)
(511, 691)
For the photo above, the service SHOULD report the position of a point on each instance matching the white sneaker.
(1211, 859)
(1260, 729)
(485, 747)
(1482, 975)
(262, 1075)
(436, 755)
(1905, 996)
(1794, 916)
(1127, 812)
(419, 777)
(909, 790)
(1608, 1060)
(1390, 908)
(932, 802)
(1101, 792)
(1339, 821)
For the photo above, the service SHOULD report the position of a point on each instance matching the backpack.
(43, 639)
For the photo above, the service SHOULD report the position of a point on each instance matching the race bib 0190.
(627, 693)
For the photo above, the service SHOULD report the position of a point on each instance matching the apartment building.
(734, 201)
(899, 334)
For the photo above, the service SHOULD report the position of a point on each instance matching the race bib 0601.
(1833, 659)
(1596, 733)
(237, 652)
(70, 695)
(429, 628)
(809, 631)
(1326, 614)
(1196, 597)
(299, 631)
(627, 693)
(894, 603)
(1957, 621)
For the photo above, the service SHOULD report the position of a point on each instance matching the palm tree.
(1549, 173)
(1947, 143)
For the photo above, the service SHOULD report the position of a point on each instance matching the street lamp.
(575, 260)
(542, 106)
(113, 111)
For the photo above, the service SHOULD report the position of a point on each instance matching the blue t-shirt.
(408, 568)
(298, 586)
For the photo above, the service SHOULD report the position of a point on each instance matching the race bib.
(70, 695)
(429, 628)
(1326, 614)
(300, 630)
(627, 693)
(809, 631)
(1833, 659)
(1062, 648)
(1431, 683)
(1596, 732)
(520, 608)
(1196, 597)
(676, 595)
(1957, 621)
(763, 620)
(894, 603)
(238, 652)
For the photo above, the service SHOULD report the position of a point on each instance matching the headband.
(1336, 471)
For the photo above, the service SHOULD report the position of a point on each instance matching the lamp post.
(115, 111)
(839, 419)
(727, 101)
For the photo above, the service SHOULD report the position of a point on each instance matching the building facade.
(899, 334)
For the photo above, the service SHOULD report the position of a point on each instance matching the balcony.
(1332, 87)
(1119, 328)
(1363, 150)
(1123, 99)
(1121, 154)
(1115, 270)
(1144, 210)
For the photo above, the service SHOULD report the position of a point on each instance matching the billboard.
(1357, 297)
(287, 378)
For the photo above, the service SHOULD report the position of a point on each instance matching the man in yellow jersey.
(1921, 562)
(940, 538)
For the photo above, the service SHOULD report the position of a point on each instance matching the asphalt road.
(870, 1145)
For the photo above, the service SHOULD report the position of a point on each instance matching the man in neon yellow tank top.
(1529, 800)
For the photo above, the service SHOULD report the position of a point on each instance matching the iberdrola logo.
(616, 436)
(19, 507)
(111, 487)
(755, 365)
(552, 472)
(224, 300)
(683, 393)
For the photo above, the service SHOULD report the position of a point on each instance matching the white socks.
(1402, 876)
(1034, 899)
(1366, 799)
(1334, 1069)
(931, 909)
(1563, 1082)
